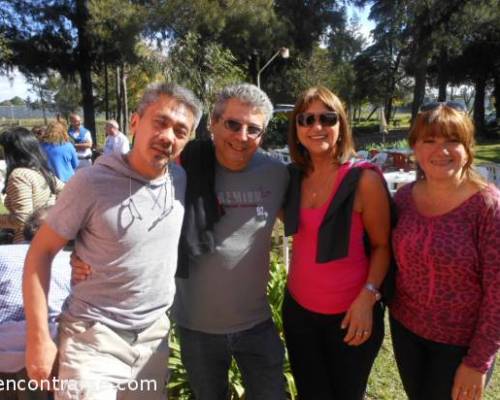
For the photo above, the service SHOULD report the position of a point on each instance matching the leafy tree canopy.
(14, 101)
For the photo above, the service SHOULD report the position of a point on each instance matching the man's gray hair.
(179, 93)
(246, 93)
(113, 123)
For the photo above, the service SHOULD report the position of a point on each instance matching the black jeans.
(324, 367)
(427, 368)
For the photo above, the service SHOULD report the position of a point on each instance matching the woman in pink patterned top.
(445, 316)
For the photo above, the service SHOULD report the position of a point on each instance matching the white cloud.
(14, 86)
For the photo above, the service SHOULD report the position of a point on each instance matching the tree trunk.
(372, 112)
(42, 101)
(124, 101)
(420, 58)
(496, 93)
(118, 96)
(254, 66)
(388, 109)
(442, 76)
(106, 91)
(419, 89)
(392, 88)
(44, 112)
(480, 86)
(356, 113)
(84, 66)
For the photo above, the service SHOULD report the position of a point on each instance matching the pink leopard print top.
(448, 279)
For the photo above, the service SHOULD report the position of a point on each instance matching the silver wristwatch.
(372, 289)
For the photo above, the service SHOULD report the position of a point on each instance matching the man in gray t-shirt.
(221, 309)
(112, 335)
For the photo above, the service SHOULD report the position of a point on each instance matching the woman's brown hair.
(56, 133)
(448, 122)
(344, 148)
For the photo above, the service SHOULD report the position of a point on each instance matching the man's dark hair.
(34, 222)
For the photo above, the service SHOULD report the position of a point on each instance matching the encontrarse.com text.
(56, 384)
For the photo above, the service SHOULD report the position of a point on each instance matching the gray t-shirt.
(127, 228)
(226, 290)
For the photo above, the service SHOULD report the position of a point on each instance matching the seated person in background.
(61, 154)
(12, 319)
(39, 131)
(116, 141)
(29, 183)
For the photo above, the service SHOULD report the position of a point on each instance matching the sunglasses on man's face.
(253, 131)
(325, 119)
(435, 104)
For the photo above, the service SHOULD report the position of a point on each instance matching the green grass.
(488, 152)
(384, 382)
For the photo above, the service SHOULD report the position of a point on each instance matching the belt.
(84, 157)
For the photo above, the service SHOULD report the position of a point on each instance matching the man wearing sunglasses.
(221, 307)
(233, 196)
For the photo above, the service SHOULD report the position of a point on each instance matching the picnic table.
(396, 179)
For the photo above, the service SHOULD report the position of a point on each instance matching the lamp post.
(283, 52)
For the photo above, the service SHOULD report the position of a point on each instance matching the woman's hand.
(359, 319)
(468, 384)
(80, 271)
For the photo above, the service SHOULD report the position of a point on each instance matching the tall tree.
(472, 53)
(55, 93)
(59, 35)
(84, 63)
(345, 43)
(117, 28)
(426, 32)
(204, 69)
(307, 21)
(250, 30)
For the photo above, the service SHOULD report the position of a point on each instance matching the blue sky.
(17, 85)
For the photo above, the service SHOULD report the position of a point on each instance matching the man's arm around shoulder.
(41, 351)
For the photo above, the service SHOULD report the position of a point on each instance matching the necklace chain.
(168, 200)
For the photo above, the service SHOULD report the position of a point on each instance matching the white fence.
(491, 172)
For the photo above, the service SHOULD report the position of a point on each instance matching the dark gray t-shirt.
(127, 228)
(226, 290)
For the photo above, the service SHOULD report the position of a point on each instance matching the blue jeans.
(258, 352)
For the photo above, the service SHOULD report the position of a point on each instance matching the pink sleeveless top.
(326, 288)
